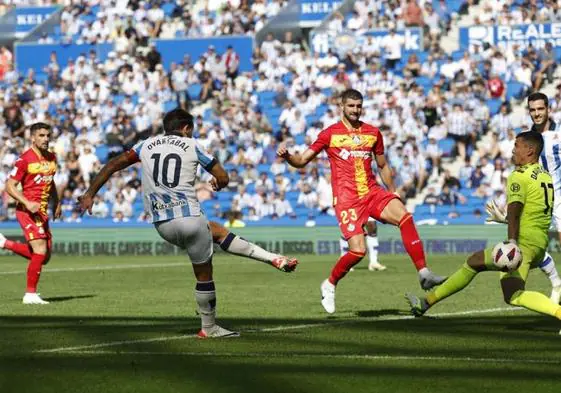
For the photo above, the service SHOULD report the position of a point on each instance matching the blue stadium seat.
(101, 151)
(494, 105)
(447, 146)
(194, 91)
(514, 89)
(168, 8)
(170, 105)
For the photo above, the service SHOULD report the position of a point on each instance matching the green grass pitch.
(119, 325)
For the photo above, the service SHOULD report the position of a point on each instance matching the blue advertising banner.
(37, 56)
(27, 18)
(506, 36)
(321, 41)
(313, 12)
(174, 50)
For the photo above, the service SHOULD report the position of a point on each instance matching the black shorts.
(461, 138)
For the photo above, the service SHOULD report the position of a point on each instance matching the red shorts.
(353, 216)
(34, 226)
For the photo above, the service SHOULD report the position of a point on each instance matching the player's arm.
(221, 178)
(212, 166)
(297, 160)
(57, 213)
(122, 161)
(516, 198)
(514, 211)
(14, 192)
(385, 171)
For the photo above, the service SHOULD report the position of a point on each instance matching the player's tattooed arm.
(514, 211)
(296, 160)
(116, 164)
(385, 172)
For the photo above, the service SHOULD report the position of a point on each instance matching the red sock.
(34, 271)
(343, 266)
(412, 242)
(19, 248)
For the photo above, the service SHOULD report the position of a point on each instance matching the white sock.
(372, 245)
(548, 267)
(424, 272)
(344, 246)
(205, 294)
(236, 245)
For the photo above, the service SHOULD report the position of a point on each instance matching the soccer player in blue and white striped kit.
(169, 169)
(538, 107)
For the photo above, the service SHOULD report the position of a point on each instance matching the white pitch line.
(276, 329)
(322, 355)
(101, 267)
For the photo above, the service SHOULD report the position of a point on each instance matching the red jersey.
(36, 176)
(350, 157)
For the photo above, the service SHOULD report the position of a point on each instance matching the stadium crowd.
(431, 106)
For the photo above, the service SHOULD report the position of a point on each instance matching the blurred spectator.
(234, 220)
(392, 45)
(100, 208)
(307, 197)
(121, 208)
(281, 205)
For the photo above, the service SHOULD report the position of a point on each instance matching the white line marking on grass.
(101, 267)
(321, 355)
(277, 329)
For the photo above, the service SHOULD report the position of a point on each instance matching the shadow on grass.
(380, 313)
(56, 299)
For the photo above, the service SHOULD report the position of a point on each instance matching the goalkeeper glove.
(496, 213)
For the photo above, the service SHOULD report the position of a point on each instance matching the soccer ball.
(507, 256)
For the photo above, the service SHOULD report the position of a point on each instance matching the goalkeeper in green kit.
(530, 203)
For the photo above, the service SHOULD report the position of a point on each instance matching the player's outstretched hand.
(33, 207)
(85, 203)
(496, 213)
(282, 151)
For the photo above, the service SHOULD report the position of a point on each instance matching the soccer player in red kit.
(35, 170)
(350, 145)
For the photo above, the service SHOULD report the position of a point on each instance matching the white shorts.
(556, 216)
(191, 234)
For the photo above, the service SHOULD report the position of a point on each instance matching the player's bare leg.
(396, 214)
(38, 258)
(205, 294)
(357, 251)
(233, 244)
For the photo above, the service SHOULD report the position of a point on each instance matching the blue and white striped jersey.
(551, 155)
(169, 170)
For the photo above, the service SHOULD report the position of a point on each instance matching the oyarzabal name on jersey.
(169, 141)
(169, 205)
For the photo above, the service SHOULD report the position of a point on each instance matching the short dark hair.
(533, 138)
(39, 126)
(537, 96)
(351, 94)
(176, 119)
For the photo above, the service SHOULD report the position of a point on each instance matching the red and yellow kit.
(36, 175)
(356, 195)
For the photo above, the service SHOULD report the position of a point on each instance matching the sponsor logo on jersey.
(164, 206)
(45, 167)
